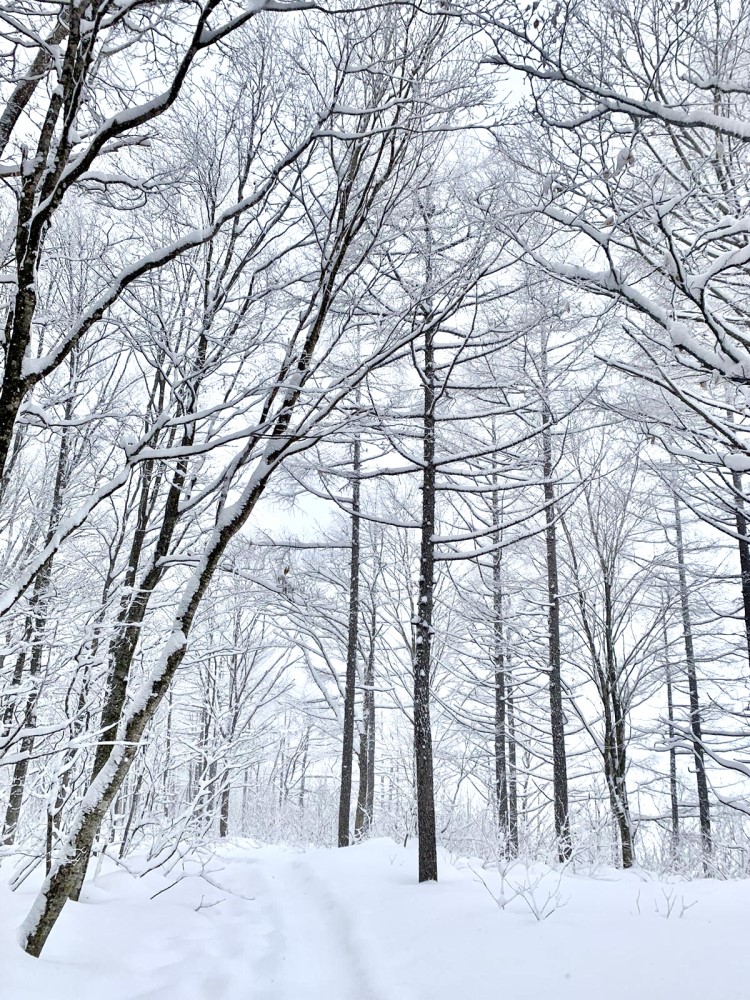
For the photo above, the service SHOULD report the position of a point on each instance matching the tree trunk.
(704, 809)
(303, 771)
(557, 717)
(226, 791)
(617, 735)
(673, 799)
(124, 843)
(347, 751)
(743, 544)
(498, 657)
(512, 765)
(370, 719)
(618, 800)
(423, 632)
(366, 792)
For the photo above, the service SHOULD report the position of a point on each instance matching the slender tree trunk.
(131, 815)
(166, 791)
(282, 765)
(428, 871)
(557, 717)
(360, 818)
(245, 799)
(743, 544)
(512, 764)
(673, 799)
(49, 838)
(203, 767)
(17, 787)
(226, 792)
(623, 813)
(704, 809)
(303, 772)
(347, 751)
(498, 657)
(370, 719)
(618, 800)
(366, 793)
(9, 707)
(617, 736)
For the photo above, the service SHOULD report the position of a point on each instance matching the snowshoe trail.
(310, 953)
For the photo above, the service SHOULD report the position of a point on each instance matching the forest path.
(248, 922)
(309, 950)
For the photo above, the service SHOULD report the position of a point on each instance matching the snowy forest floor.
(249, 923)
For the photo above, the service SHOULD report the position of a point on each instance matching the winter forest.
(374, 474)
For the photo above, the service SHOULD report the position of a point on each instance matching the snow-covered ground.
(276, 924)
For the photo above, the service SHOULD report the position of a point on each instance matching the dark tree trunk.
(366, 793)
(618, 798)
(166, 790)
(133, 806)
(616, 736)
(512, 763)
(743, 544)
(557, 717)
(17, 786)
(498, 658)
(428, 871)
(704, 809)
(226, 791)
(347, 751)
(370, 797)
(303, 771)
(360, 817)
(673, 798)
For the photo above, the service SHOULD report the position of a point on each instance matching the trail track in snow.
(245, 922)
(310, 953)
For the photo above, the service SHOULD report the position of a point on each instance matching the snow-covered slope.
(275, 924)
